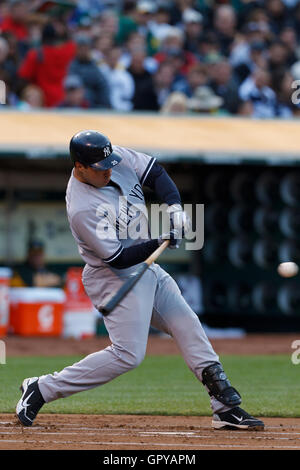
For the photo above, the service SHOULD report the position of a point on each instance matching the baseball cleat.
(31, 401)
(236, 418)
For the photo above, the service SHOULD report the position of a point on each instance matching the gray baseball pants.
(155, 300)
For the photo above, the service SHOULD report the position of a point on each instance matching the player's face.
(97, 178)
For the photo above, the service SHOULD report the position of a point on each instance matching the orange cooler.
(36, 311)
(5, 275)
(80, 316)
(74, 287)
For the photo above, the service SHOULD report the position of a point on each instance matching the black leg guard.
(214, 378)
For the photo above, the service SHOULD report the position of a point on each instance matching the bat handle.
(157, 252)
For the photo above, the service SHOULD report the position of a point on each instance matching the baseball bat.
(128, 285)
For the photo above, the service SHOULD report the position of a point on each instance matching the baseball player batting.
(103, 174)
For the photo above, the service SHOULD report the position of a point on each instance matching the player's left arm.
(151, 174)
(164, 187)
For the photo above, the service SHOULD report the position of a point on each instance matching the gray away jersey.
(105, 220)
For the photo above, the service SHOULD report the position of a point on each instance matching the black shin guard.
(215, 379)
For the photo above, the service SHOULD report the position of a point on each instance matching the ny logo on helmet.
(106, 151)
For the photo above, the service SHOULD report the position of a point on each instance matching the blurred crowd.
(238, 57)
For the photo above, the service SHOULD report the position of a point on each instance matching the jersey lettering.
(137, 192)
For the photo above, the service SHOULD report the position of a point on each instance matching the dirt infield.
(157, 345)
(137, 432)
(128, 432)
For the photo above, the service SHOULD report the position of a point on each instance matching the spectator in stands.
(286, 108)
(159, 25)
(144, 95)
(197, 76)
(32, 97)
(13, 55)
(144, 14)
(288, 37)
(93, 8)
(176, 58)
(16, 20)
(74, 93)
(7, 65)
(134, 42)
(277, 14)
(95, 84)
(253, 33)
(295, 20)
(33, 272)
(257, 58)
(84, 25)
(109, 23)
(101, 48)
(172, 48)
(278, 55)
(224, 85)
(205, 101)
(4, 9)
(193, 28)
(256, 89)
(176, 103)
(225, 27)
(163, 82)
(207, 44)
(121, 82)
(127, 23)
(46, 66)
(179, 6)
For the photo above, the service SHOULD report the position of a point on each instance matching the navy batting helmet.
(93, 149)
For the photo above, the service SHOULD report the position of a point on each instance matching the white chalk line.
(152, 433)
(152, 444)
(37, 427)
(42, 430)
(85, 428)
(212, 436)
(189, 433)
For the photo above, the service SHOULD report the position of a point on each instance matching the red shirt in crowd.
(19, 30)
(47, 67)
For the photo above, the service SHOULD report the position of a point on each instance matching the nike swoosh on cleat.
(25, 404)
(239, 419)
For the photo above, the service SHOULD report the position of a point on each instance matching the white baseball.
(288, 269)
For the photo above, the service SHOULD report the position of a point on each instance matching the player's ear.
(79, 166)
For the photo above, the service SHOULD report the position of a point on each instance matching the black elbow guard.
(215, 379)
